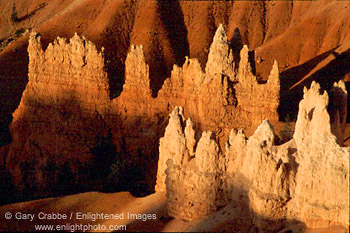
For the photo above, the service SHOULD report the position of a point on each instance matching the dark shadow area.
(13, 79)
(172, 18)
(251, 60)
(5, 134)
(347, 84)
(34, 169)
(11, 90)
(7, 190)
(138, 153)
(334, 71)
(116, 41)
(237, 216)
(104, 167)
(236, 45)
(158, 71)
(16, 19)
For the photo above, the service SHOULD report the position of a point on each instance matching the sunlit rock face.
(59, 117)
(67, 118)
(190, 182)
(305, 179)
(223, 96)
(322, 181)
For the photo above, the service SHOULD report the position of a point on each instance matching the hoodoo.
(306, 179)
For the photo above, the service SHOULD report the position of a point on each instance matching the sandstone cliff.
(294, 33)
(234, 91)
(305, 179)
(59, 115)
(67, 118)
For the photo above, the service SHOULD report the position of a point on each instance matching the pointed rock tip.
(264, 126)
(76, 36)
(315, 86)
(178, 110)
(275, 64)
(220, 34)
(274, 67)
(33, 34)
(244, 53)
(340, 84)
(189, 122)
(274, 73)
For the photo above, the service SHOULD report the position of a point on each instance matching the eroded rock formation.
(66, 113)
(190, 182)
(59, 118)
(305, 179)
(223, 96)
(322, 180)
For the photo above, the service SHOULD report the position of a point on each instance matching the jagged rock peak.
(207, 153)
(34, 40)
(220, 57)
(322, 181)
(35, 52)
(274, 74)
(220, 35)
(263, 135)
(171, 146)
(340, 84)
(264, 131)
(313, 117)
(137, 71)
(244, 64)
(79, 57)
(77, 46)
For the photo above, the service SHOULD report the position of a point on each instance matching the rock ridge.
(67, 102)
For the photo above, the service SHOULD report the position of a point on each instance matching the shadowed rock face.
(305, 179)
(66, 113)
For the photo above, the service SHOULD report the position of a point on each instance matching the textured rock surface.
(322, 181)
(259, 175)
(257, 100)
(67, 102)
(233, 92)
(137, 72)
(304, 180)
(220, 58)
(59, 115)
(172, 146)
(190, 183)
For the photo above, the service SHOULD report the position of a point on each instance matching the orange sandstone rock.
(305, 179)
